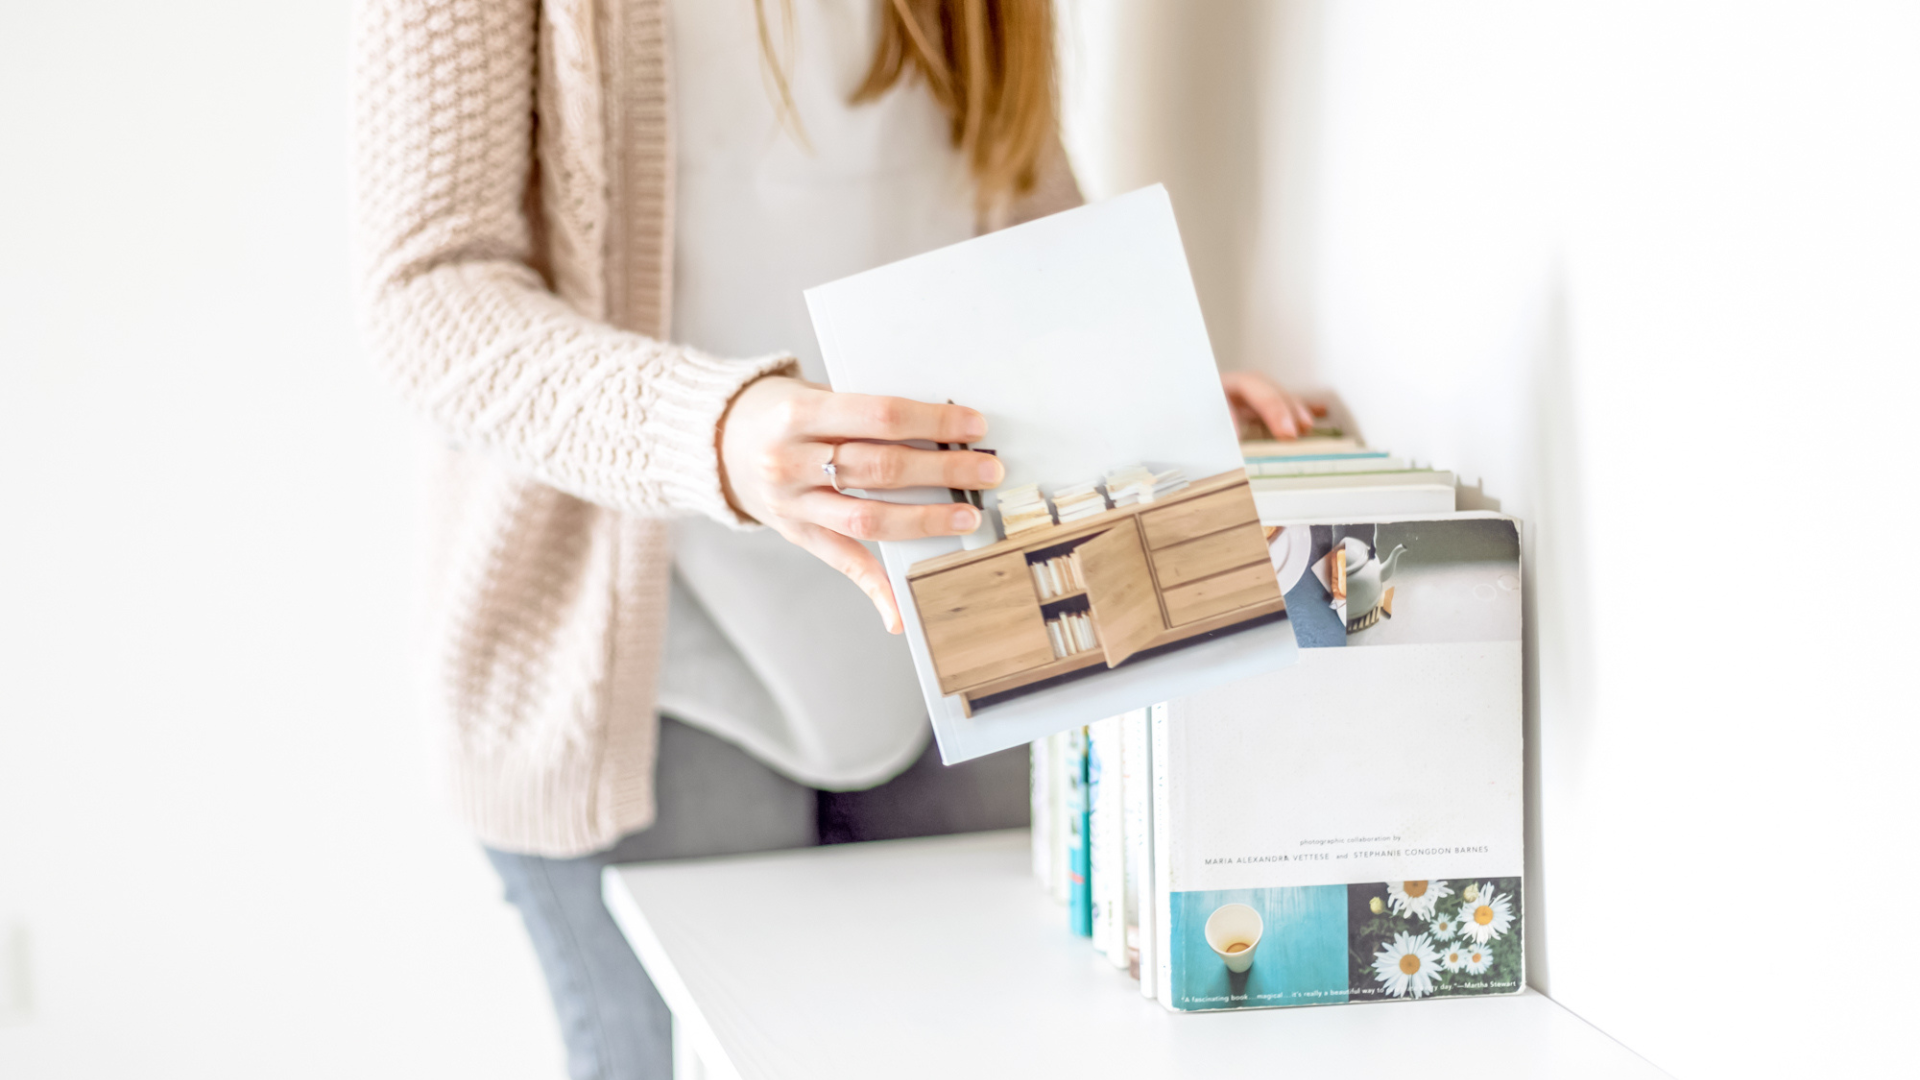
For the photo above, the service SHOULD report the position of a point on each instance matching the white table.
(945, 958)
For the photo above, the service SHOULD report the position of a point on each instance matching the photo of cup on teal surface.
(1233, 930)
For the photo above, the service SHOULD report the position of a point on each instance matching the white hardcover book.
(1040, 810)
(1349, 829)
(1162, 890)
(1057, 813)
(1109, 843)
(1326, 466)
(1137, 799)
(1098, 822)
(1280, 506)
(1095, 306)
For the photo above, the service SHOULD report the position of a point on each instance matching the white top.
(766, 646)
(945, 958)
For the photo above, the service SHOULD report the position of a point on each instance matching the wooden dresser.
(1156, 573)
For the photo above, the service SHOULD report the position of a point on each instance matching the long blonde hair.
(989, 65)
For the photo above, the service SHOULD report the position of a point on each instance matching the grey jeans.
(714, 799)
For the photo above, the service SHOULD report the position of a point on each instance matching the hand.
(778, 433)
(1250, 392)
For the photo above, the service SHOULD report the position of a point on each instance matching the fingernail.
(975, 427)
(991, 472)
(965, 519)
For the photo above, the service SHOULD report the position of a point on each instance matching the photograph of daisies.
(1417, 939)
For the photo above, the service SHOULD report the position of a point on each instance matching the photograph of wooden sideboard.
(1156, 574)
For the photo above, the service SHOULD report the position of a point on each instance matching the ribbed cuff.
(693, 394)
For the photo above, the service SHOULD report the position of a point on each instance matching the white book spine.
(1039, 580)
(1040, 810)
(1162, 858)
(1135, 797)
(1110, 842)
(1057, 813)
(1097, 824)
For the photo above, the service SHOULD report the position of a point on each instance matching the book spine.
(1110, 845)
(1098, 822)
(1057, 813)
(1138, 898)
(1039, 811)
(1162, 856)
(1079, 897)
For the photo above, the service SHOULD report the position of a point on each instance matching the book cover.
(1349, 829)
(1093, 307)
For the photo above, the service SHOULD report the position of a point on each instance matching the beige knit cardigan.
(514, 207)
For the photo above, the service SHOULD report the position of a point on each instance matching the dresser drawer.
(1197, 517)
(1227, 549)
(1245, 587)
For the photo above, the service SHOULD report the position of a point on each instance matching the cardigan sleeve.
(458, 319)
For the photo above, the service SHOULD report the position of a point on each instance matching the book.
(1325, 464)
(1328, 498)
(1137, 891)
(1109, 842)
(1040, 809)
(1093, 306)
(1266, 449)
(1057, 813)
(1078, 806)
(1349, 828)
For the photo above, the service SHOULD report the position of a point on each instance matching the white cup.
(1233, 930)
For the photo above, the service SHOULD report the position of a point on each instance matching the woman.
(584, 226)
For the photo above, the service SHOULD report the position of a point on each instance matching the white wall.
(218, 837)
(1648, 273)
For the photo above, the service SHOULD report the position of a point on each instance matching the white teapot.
(1367, 577)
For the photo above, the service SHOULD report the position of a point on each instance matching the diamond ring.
(833, 470)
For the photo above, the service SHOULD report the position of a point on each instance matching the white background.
(1649, 274)
(1648, 271)
(219, 833)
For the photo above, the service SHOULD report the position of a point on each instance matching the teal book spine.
(1079, 806)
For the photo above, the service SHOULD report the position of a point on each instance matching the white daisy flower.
(1453, 955)
(1486, 917)
(1478, 958)
(1445, 927)
(1408, 966)
(1470, 893)
(1416, 897)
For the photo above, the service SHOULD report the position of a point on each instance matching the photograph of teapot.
(1366, 580)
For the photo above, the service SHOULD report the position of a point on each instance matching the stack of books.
(1023, 509)
(1343, 829)
(1071, 634)
(1324, 476)
(1074, 503)
(1057, 577)
(1131, 484)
